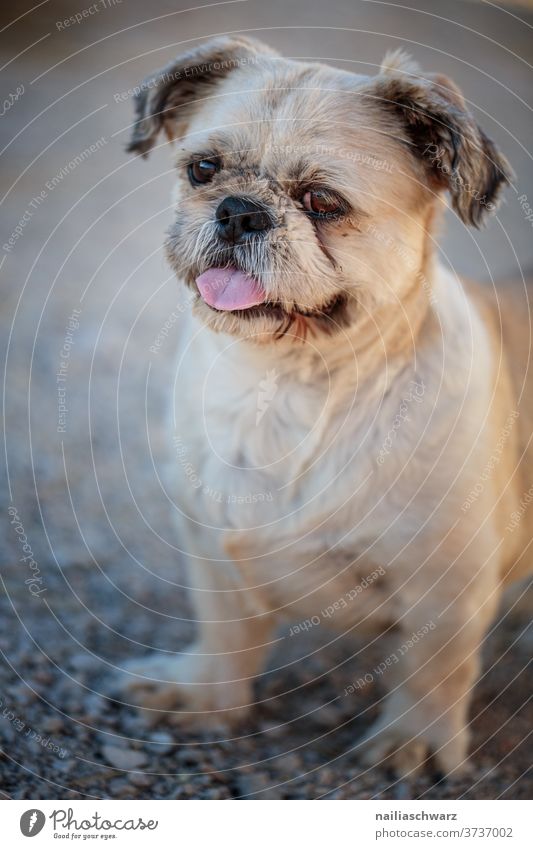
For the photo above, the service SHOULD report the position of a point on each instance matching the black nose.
(237, 217)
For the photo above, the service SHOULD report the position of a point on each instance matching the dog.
(351, 427)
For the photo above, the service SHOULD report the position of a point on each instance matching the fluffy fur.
(385, 389)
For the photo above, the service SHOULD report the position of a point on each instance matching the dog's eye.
(203, 171)
(322, 204)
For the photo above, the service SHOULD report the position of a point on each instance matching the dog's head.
(305, 193)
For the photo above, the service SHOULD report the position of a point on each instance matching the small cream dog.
(348, 433)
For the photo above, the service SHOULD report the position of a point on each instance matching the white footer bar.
(268, 824)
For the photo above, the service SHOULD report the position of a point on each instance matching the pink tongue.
(230, 289)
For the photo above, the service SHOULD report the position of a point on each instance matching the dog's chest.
(252, 454)
(257, 448)
(296, 481)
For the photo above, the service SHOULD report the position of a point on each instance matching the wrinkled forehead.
(288, 118)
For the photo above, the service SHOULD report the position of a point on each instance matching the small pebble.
(121, 789)
(83, 662)
(161, 743)
(66, 765)
(140, 779)
(123, 758)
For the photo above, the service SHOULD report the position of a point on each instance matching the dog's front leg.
(210, 682)
(431, 670)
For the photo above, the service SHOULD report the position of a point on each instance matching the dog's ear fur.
(457, 154)
(167, 98)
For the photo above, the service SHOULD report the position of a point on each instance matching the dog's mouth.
(232, 290)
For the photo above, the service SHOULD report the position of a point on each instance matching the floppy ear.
(455, 151)
(167, 98)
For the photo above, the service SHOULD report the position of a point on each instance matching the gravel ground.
(92, 747)
(85, 483)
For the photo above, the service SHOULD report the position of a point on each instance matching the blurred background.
(89, 561)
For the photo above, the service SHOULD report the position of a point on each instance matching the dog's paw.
(397, 747)
(406, 757)
(182, 691)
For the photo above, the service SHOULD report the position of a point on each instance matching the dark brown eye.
(203, 171)
(322, 204)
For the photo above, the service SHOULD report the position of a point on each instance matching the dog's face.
(305, 193)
